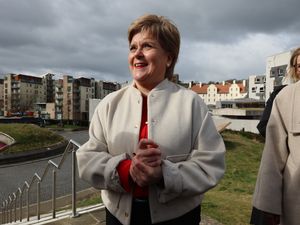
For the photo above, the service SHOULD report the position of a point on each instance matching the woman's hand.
(145, 167)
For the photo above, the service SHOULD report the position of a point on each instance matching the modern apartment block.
(103, 88)
(257, 87)
(58, 99)
(276, 68)
(1, 97)
(49, 84)
(22, 92)
(62, 99)
(76, 95)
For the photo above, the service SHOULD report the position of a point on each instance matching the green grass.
(230, 201)
(29, 137)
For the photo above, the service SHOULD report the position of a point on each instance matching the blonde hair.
(165, 32)
(292, 71)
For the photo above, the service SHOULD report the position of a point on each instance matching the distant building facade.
(276, 68)
(62, 99)
(257, 87)
(214, 92)
(1, 97)
(104, 88)
(21, 92)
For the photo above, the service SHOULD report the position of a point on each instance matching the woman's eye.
(147, 46)
(132, 48)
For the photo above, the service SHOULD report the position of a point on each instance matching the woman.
(277, 192)
(153, 147)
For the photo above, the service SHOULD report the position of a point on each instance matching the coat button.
(126, 214)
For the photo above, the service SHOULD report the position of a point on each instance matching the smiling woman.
(153, 147)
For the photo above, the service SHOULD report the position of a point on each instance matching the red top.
(124, 166)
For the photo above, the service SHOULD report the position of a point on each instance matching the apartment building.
(21, 92)
(103, 88)
(257, 87)
(1, 97)
(49, 84)
(214, 92)
(276, 68)
(58, 99)
(76, 95)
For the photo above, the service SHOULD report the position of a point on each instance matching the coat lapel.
(296, 109)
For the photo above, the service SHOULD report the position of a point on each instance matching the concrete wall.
(238, 124)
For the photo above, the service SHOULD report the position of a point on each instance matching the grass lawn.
(29, 136)
(230, 201)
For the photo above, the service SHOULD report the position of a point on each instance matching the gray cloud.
(220, 39)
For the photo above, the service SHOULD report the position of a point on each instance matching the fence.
(13, 205)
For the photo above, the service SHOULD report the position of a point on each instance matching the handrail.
(10, 204)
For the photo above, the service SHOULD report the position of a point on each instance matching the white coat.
(278, 184)
(179, 122)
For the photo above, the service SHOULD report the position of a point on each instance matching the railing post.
(10, 208)
(6, 211)
(15, 207)
(54, 194)
(27, 202)
(21, 205)
(38, 205)
(3, 213)
(74, 213)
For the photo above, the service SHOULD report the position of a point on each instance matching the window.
(262, 89)
(280, 72)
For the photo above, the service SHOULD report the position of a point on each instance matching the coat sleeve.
(269, 186)
(202, 170)
(95, 164)
(262, 125)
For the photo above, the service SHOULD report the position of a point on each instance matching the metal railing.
(14, 201)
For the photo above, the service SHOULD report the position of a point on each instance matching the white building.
(212, 93)
(276, 68)
(257, 86)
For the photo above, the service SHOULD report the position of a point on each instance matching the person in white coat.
(153, 148)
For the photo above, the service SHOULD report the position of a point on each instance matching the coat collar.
(161, 86)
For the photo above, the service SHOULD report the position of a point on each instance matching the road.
(14, 175)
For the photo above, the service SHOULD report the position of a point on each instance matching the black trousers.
(141, 216)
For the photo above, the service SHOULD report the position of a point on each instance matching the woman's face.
(147, 60)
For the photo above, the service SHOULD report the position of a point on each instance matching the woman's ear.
(169, 61)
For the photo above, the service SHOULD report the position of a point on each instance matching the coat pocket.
(178, 158)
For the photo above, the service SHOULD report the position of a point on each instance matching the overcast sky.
(221, 40)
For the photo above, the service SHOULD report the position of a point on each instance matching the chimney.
(223, 82)
(200, 84)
